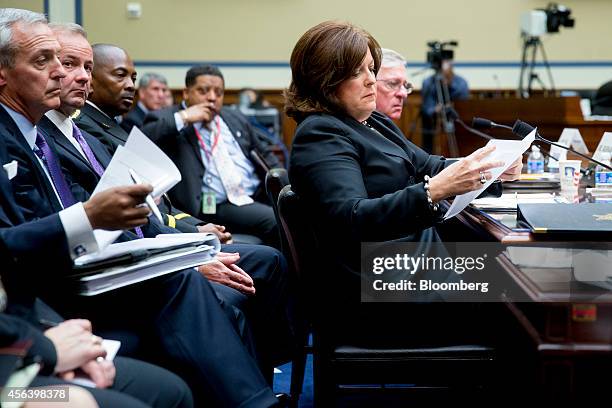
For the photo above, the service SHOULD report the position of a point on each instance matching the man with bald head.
(177, 317)
(113, 83)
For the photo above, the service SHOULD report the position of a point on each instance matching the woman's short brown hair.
(323, 58)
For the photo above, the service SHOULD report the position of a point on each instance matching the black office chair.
(275, 180)
(450, 367)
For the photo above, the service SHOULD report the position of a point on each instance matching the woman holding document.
(354, 170)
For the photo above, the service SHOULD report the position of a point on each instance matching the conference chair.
(452, 368)
(275, 180)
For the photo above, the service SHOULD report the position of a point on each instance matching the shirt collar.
(98, 109)
(63, 122)
(143, 107)
(27, 129)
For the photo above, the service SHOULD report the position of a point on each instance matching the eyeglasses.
(396, 85)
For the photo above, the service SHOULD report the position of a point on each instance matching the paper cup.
(569, 174)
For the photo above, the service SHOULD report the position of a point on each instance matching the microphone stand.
(522, 125)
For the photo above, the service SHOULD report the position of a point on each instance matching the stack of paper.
(509, 202)
(127, 263)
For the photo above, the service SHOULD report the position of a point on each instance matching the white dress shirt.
(79, 233)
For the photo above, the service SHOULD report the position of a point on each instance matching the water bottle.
(603, 176)
(535, 161)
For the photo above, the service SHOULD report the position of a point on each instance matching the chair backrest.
(300, 245)
(275, 180)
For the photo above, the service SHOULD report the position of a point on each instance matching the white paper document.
(506, 151)
(510, 201)
(146, 159)
(111, 347)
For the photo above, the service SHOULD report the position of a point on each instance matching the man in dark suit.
(84, 158)
(180, 320)
(212, 146)
(114, 74)
(152, 90)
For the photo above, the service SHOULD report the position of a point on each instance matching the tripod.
(530, 46)
(447, 125)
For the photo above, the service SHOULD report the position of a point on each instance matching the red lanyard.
(208, 152)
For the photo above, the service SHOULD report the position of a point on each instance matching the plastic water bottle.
(603, 176)
(535, 161)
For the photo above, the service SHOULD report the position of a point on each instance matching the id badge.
(209, 203)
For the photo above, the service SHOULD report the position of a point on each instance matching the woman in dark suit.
(359, 177)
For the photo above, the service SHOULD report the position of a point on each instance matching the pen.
(148, 199)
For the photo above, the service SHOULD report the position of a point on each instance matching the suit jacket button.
(238, 134)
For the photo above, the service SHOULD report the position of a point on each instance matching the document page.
(148, 161)
(506, 151)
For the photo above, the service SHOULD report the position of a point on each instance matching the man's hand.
(102, 373)
(74, 344)
(117, 208)
(219, 230)
(225, 272)
(201, 112)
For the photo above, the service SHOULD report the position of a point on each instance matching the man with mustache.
(212, 146)
(264, 266)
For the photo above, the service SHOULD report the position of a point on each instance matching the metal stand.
(530, 47)
(447, 126)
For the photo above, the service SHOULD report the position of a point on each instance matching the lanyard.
(208, 152)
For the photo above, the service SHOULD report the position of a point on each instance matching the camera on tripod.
(439, 51)
(548, 20)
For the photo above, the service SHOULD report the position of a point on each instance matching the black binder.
(575, 219)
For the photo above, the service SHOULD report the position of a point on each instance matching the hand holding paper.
(507, 152)
(142, 156)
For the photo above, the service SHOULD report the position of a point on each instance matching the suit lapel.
(35, 165)
(236, 132)
(98, 149)
(108, 124)
(9, 213)
(191, 136)
(61, 140)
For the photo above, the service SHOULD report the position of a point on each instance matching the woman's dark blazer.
(361, 185)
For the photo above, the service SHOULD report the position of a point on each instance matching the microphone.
(522, 129)
(482, 123)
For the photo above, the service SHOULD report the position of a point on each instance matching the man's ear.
(185, 93)
(3, 76)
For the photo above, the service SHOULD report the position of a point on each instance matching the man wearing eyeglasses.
(392, 89)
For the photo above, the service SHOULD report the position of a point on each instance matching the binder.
(576, 219)
(131, 262)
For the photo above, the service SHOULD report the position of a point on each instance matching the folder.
(577, 219)
(131, 262)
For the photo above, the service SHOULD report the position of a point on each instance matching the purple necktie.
(76, 132)
(53, 167)
(87, 150)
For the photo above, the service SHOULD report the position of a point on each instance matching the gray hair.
(72, 28)
(9, 17)
(391, 58)
(147, 78)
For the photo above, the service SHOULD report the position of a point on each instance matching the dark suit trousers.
(252, 219)
(137, 385)
(183, 327)
(269, 311)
